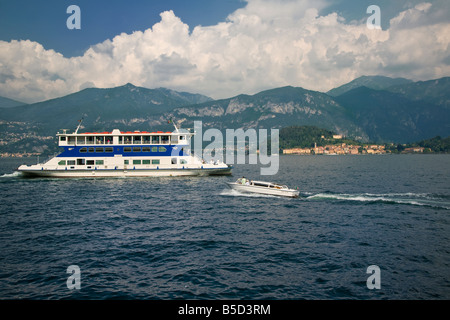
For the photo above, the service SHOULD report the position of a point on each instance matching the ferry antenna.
(173, 123)
(79, 124)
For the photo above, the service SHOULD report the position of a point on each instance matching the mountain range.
(369, 108)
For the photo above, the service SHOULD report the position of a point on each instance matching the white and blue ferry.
(125, 154)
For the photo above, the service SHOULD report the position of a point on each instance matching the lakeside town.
(343, 149)
(19, 155)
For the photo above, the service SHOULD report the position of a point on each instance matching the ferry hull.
(263, 190)
(125, 173)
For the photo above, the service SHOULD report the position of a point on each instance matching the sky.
(219, 48)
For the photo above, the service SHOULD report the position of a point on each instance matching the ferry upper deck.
(126, 143)
(117, 137)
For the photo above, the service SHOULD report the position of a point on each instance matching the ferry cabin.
(122, 150)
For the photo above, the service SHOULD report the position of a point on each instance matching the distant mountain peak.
(371, 82)
(128, 86)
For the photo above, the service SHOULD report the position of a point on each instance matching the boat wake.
(415, 199)
(15, 174)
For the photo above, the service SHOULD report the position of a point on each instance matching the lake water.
(193, 238)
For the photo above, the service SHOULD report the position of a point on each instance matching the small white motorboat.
(262, 187)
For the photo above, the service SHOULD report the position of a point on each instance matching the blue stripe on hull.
(75, 151)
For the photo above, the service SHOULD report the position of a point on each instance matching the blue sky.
(219, 48)
(45, 21)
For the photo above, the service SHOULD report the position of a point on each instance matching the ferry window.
(137, 149)
(127, 149)
(91, 149)
(182, 161)
(127, 140)
(146, 139)
(145, 149)
(155, 161)
(90, 140)
(89, 162)
(137, 140)
(71, 140)
(83, 150)
(120, 140)
(99, 162)
(80, 162)
(182, 137)
(164, 139)
(174, 160)
(62, 138)
(98, 149)
(70, 162)
(155, 139)
(109, 149)
(108, 140)
(145, 161)
(62, 163)
(162, 149)
(136, 161)
(99, 140)
(126, 162)
(154, 149)
(81, 140)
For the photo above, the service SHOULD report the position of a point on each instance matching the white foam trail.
(343, 196)
(406, 194)
(417, 199)
(11, 175)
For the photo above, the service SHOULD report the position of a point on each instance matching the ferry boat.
(125, 154)
(263, 187)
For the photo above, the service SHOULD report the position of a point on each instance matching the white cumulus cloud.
(266, 44)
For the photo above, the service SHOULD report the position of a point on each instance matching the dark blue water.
(192, 238)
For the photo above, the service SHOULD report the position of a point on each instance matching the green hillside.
(303, 137)
(310, 136)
